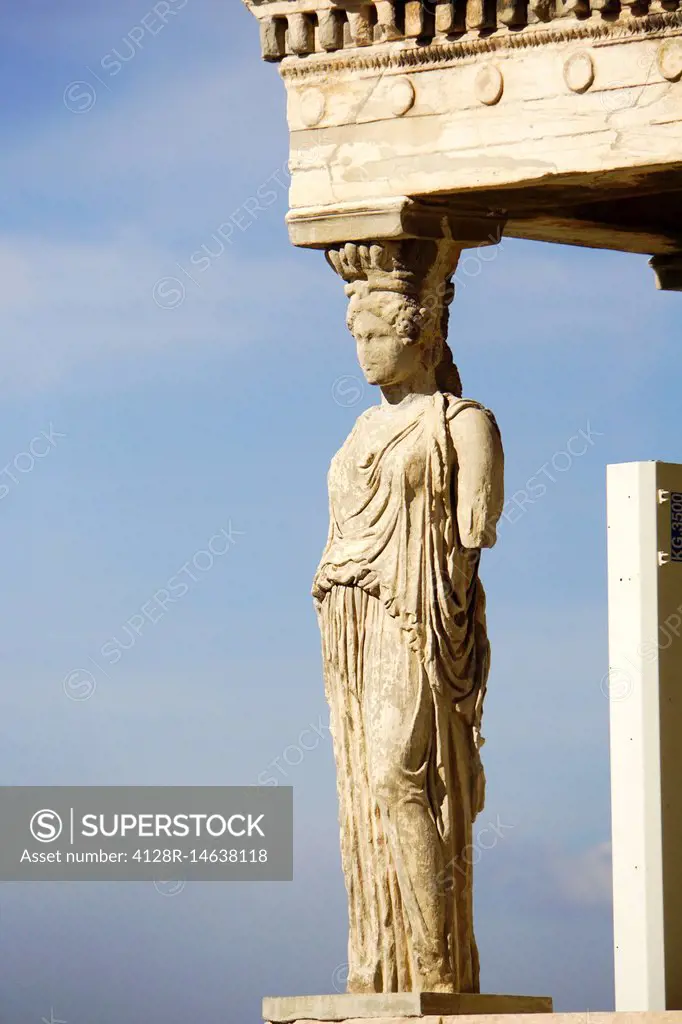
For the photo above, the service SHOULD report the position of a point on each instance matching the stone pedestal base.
(397, 1006)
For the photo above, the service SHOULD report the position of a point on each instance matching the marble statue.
(415, 494)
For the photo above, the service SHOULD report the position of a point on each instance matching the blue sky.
(170, 424)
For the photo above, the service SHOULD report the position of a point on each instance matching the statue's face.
(386, 356)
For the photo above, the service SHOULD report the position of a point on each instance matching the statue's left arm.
(480, 476)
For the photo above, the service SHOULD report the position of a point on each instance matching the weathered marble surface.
(564, 115)
(396, 1006)
(415, 494)
(589, 1017)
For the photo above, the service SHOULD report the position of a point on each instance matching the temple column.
(643, 685)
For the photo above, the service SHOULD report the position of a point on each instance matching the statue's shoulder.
(367, 420)
(455, 406)
(466, 416)
(357, 429)
(362, 421)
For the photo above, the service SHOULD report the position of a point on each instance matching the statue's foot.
(435, 979)
(437, 985)
(363, 982)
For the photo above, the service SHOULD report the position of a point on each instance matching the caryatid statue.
(415, 494)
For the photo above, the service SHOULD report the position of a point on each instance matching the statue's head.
(398, 314)
(393, 335)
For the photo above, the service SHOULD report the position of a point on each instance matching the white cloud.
(584, 878)
(174, 141)
(66, 306)
(171, 152)
(611, 300)
(121, 195)
(554, 874)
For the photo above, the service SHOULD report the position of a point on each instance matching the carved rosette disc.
(313, 106)
(489, 85)
(401, 97)
(670, 59)
(579, 72)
